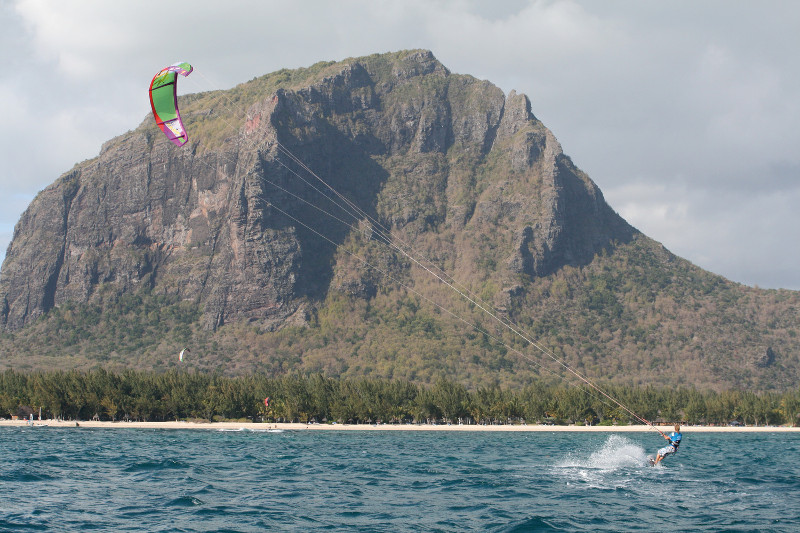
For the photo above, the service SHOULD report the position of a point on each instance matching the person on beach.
(674, 440)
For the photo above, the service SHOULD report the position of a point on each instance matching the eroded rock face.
(433, 156)
(764, 359)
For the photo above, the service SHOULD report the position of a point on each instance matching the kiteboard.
(651, 460)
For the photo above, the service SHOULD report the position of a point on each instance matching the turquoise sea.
(81, 479)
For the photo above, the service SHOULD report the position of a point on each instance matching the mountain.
(234, 245)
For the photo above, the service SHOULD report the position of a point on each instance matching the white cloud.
(74, 35)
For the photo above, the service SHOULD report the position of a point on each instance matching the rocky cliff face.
(441, 159)
(121, 254)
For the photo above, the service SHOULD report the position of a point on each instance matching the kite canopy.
(164, 102)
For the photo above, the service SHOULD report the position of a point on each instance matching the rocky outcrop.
(226, 222)
(764, 359)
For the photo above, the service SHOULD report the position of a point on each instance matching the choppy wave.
(166, 480)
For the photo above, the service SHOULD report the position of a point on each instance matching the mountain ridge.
(446, 161)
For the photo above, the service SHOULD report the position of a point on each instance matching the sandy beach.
(385, 427)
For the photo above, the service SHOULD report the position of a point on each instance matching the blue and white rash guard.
(675, 439)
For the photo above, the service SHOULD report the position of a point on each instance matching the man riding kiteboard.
(674, 439)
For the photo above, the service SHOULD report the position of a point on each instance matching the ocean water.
(81, 479)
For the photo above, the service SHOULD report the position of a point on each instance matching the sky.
(686, 114)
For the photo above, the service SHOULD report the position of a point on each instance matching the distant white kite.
(185, 350)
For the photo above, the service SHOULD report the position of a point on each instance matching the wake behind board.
(651, 460)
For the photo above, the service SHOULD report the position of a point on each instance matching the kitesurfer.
(674, 440)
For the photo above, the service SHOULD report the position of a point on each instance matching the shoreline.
(261, 426)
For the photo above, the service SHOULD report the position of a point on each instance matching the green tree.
(790, 408)
(450, 399)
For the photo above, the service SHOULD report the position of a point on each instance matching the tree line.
(177, 395)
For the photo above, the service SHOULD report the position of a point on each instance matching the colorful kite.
(164, 101)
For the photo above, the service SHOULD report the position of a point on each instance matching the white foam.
(617, 452)
(615, 464)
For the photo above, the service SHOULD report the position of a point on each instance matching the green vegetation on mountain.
(624, 325)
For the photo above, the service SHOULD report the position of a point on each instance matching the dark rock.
(765, 359)
(227, 223)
